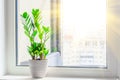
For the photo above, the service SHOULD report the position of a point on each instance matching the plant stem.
(41, 56)
(33, 57)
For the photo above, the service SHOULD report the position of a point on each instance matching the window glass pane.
(83, 26)
(83, 31)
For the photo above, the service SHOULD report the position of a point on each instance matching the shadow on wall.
(54, 59)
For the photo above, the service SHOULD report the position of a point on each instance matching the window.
(13, 9)
(82, 27)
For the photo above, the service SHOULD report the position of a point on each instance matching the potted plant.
(38, 34)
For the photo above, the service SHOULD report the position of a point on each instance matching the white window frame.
(111, 70)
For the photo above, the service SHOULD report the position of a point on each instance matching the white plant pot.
(38, 68)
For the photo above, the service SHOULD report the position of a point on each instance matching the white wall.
(2, 39)
(114, 29)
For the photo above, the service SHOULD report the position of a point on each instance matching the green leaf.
(41, 52)
(46, 52)
(27, 34)
(46, 29)
(37, 24)
(37, 52)
(30, 27)
(25, 14)
(30, 50)
(28, 21)
(34, 33)
(33, 44)
(32, 54)
(41, 35)
(39, 19)
(31, 39)
(25, 28)
(33, 12)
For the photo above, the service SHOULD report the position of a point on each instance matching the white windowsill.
(13, 77)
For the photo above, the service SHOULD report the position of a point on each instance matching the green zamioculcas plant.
(33, 28)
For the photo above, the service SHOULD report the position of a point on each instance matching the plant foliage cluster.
(33, 28)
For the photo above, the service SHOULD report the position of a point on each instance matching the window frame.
(110, 72)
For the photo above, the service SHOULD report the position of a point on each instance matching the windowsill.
(13, 77)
